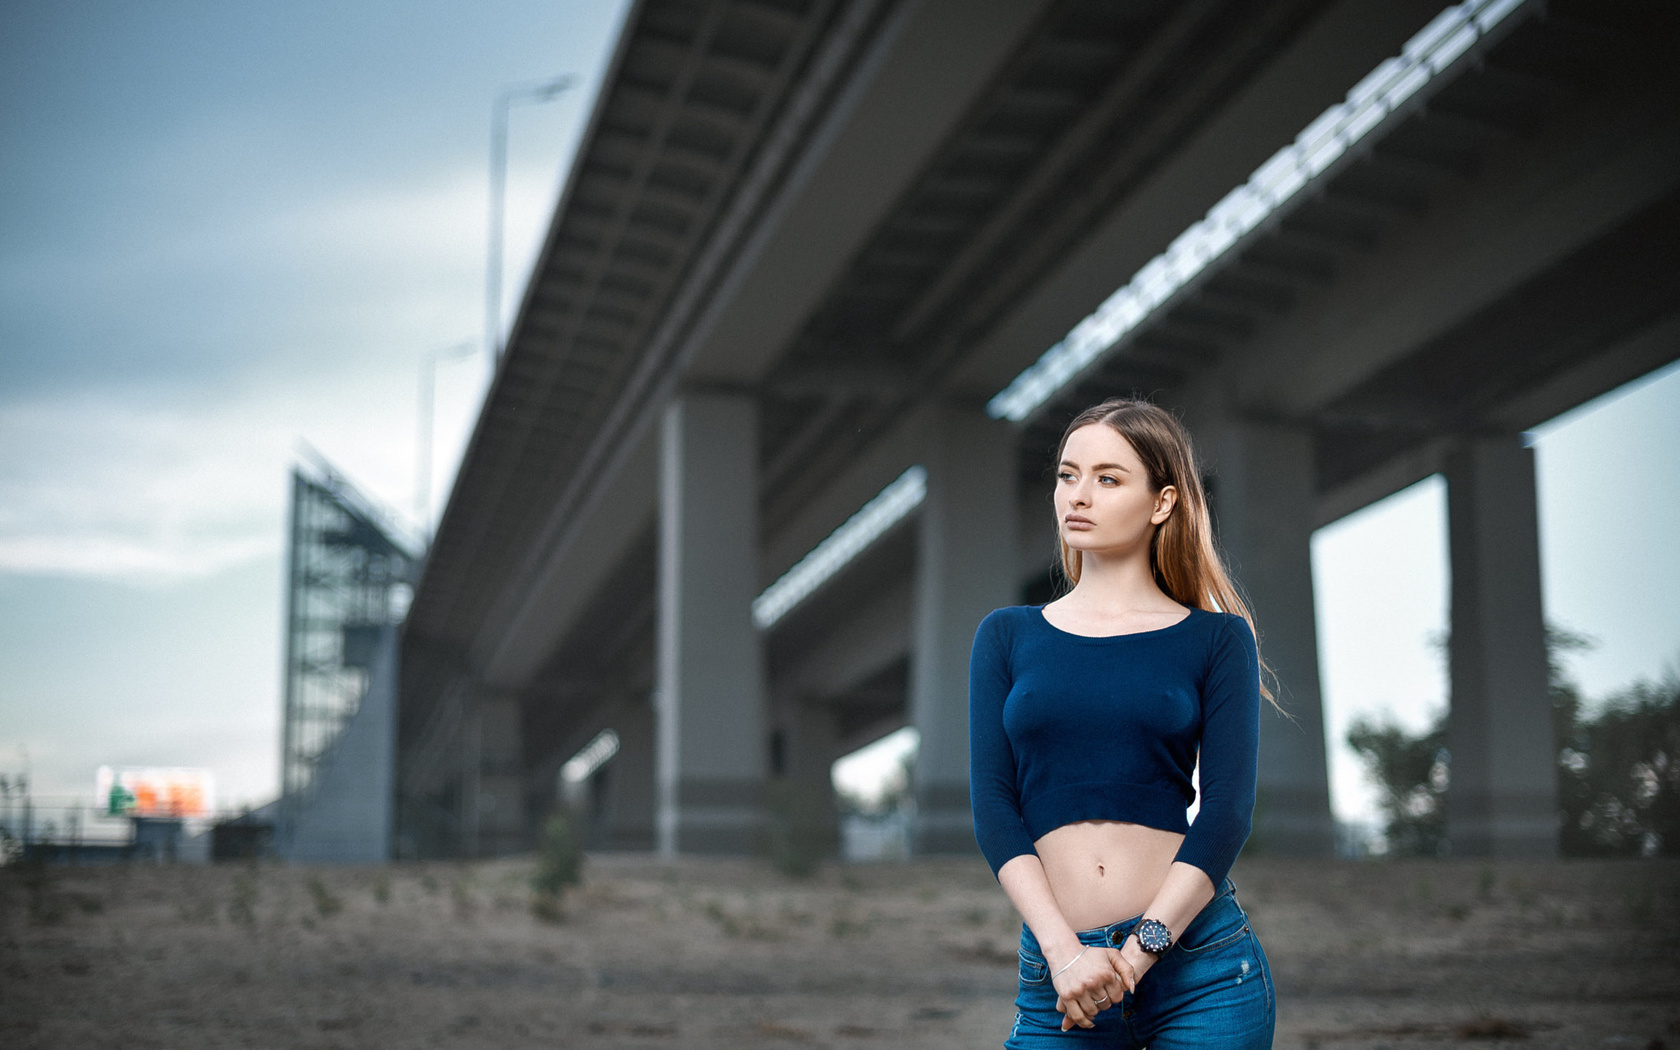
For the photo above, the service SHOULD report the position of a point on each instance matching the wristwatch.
(1154, 937)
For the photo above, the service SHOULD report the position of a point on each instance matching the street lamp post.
(505, 100)
(423, 446)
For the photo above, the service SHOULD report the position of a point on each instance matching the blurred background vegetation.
(1618, 767)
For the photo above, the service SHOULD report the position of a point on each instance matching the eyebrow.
(1100, 466)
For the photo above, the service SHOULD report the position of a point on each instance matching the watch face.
(1153, 936)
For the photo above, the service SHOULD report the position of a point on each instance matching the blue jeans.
(1211, 991)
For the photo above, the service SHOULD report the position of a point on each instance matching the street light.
(423, 448)
(523, 93)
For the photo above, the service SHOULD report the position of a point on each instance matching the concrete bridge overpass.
(809, 247)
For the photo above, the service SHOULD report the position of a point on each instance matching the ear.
(1165, 501)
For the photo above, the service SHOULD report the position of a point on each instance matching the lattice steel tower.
(348, 579)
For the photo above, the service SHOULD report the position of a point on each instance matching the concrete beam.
(508, 653)
(1400, 472)
(928, 69)
(863, 737)
(1613, 366)
(1610, 368)
(1535, 202)
(903, 445)
(1327, 58)
(856, 644)
(861, 481)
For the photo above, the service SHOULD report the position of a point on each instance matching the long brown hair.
(1182, 555)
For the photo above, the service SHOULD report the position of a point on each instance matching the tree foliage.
(1411, 777)
(1619, 775)
(1618, 768)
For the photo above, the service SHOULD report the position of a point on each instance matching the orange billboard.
(146, 792)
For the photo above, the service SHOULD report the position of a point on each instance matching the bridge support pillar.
(1264, 499)
(1502, 796)
(625, 793)
(803, 816)
(495, 795)
(709, 712)
(965, 569)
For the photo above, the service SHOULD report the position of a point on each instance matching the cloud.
(94, 488)
(384, 268)
(152, 443)
(156, 488)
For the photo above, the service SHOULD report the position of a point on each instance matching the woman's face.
(1103, 500)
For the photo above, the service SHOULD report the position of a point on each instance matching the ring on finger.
(1104, 999)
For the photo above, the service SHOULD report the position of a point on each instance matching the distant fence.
(67, 829)
(60, 819)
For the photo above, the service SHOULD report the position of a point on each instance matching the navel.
(1100, 871)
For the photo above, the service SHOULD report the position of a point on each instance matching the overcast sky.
(228, 227)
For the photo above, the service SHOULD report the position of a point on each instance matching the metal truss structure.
(348, 578)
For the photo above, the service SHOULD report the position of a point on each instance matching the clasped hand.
(1091, 984)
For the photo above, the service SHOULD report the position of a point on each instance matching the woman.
(1086, 720)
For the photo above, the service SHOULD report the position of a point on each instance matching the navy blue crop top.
(1064, 728)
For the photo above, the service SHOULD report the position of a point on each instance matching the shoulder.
(1234, 626)
(1225, 631)
(1008, 621)
(1003, 627)
(998, 639)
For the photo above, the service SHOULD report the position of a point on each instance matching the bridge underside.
(803, 244)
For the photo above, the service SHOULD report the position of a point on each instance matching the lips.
(1076, 521)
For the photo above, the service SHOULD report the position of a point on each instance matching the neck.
(1118, 581)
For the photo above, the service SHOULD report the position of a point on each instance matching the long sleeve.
(992, 789)
(1230, 753)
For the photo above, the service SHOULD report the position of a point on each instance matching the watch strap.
(1154, 937)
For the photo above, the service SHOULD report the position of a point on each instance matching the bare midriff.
(1102, 871)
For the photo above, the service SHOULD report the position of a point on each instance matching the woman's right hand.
(1091, 984)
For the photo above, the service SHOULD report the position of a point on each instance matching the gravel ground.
(727, 954)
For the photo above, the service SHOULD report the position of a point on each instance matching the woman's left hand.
(1136, 959)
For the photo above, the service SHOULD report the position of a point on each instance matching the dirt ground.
(727, 954)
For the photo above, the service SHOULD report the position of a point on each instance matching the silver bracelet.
(1070, 962)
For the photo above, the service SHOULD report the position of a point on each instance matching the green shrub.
(559, 865)
(326, 903)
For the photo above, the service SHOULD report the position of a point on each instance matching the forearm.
(1182, 896)
(1028, 888)
(1087, 980)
